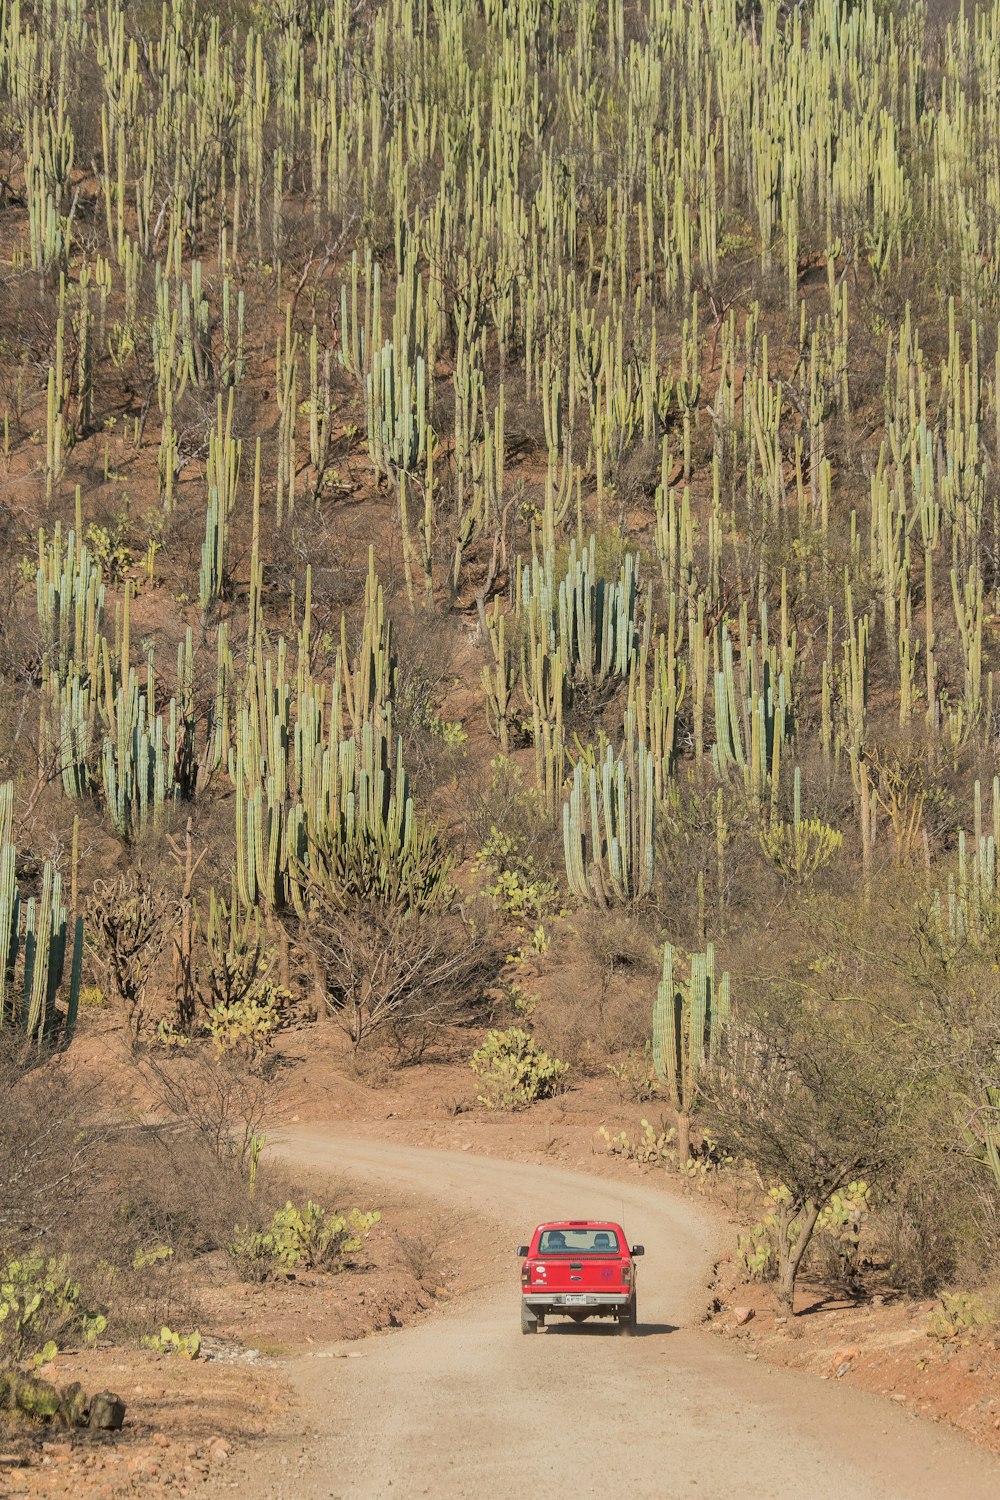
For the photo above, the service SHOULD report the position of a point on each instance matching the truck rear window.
(578, 1242)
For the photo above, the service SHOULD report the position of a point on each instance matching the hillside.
(499, 533)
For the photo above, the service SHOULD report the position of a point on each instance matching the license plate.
(576, 1298)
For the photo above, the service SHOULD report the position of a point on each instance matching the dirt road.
(463, 1405)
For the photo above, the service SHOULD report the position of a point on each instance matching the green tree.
(809, 1095)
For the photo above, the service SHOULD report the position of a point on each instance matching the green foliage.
(167, 1341)
(514, 1071)
(800, 849)
(960, 1317)
(109, 545)
(156, 1255)
(309, 1238)
(244, 1007)
(245, 1025)
(838, 1229)
(635, 1075)
(653, 1147)
(449, 731)
(40, 1307)
(516, 888)
(758, 1251)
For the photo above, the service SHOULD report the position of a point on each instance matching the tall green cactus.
(752, 717)
(369, 842)
(369, 686)
(582, 629)
(139, 759)
(688, 1019)
(33, 946)
(608, 827)
(396, 409)
(70, 593)
(68, 725)
(212, 573)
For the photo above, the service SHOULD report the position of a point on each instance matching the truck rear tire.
(628, 1321)
(529, 1323)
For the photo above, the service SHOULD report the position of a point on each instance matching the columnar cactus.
(608, 827)
(34, 937)
(396, 406)
(139, 758)
(688, 1019)
(70, 592)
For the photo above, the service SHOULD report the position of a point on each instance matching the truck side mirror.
(522, 1250)
(638, 1250)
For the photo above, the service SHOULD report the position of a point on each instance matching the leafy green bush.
(800, 849)
(960, 1317)
(309, 1238)
(838, 1230)
(652, 1147)
(246, 1025)
(39, 1307)
(514, 1071)
(188, 1345)
(516, 889)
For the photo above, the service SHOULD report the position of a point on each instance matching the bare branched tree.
(51, 1139)
(409, 972)
(131, 920)
(222, 1099)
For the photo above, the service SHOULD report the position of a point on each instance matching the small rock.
(143, 1463)
(57, 1450)
(161, 1440)
(878, 1300)
(742, 1315)
(107, 1411)
(218, 1451)
(843, 1359)
(897, 1396)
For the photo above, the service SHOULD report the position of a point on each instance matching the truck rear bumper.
(576, 1301)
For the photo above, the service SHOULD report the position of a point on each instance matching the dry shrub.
(131, 919)
(404, 975)
(220, 1099)
(915, 1234)
(596, 1006)
(421, 1249)
(50, 1143)
(127, 1205)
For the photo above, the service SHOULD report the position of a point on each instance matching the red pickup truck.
(579, 1268)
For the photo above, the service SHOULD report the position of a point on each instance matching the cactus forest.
(500, 536)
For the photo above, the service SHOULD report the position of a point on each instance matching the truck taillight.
(525, 1275)
(627, 1274)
